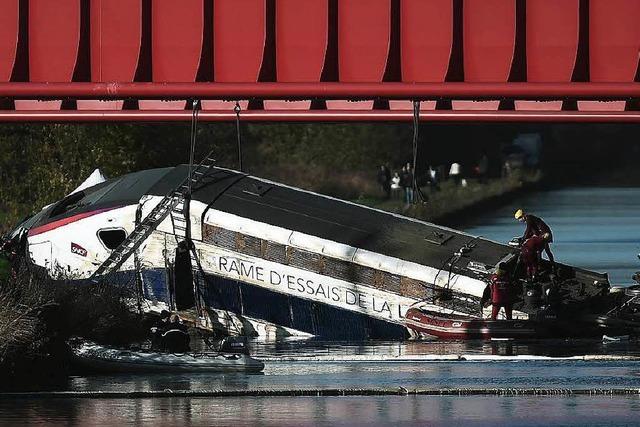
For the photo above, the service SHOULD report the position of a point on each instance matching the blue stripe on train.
(293, 312)
(281, 309)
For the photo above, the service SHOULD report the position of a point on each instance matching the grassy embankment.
(38, 315)
(446, 206)
(452, 200)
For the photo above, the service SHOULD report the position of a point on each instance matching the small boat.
(97, 357)
(452, 326)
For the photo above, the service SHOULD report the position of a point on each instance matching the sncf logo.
(78, 250)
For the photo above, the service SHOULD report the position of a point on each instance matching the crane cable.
(195, 108)
(418, 194)
(237, 110)
(199, 293)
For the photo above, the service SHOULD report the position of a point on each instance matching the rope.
(136, 263)
(192, 149)
(221, 298)
(237, 110)
(451, 261)
(206, 279)
(199, 297)
(416, 129)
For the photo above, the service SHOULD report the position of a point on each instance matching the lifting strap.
(195, 107)
(418, 194)
(237, 110)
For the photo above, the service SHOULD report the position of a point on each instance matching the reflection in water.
(411, 375)
(309, 349)
(434, 410)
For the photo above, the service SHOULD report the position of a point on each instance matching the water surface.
(594, 228)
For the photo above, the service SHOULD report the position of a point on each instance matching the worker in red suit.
(500, 285)
(530, 253)
(535, 227)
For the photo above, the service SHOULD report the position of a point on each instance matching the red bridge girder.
(327, 116)
(357, 59)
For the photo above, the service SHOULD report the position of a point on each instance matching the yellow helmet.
(519, 214)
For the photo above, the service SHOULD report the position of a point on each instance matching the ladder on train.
(174, 203)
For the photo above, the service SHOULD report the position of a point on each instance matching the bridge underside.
(357, 60)
(254, 116)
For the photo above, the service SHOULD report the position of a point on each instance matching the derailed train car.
(279, 260)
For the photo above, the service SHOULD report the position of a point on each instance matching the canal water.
(595, 228)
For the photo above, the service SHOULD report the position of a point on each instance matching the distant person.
(159, 327)
(387, 175)
(433, 179)
(395, 186)
(530, 253)
(506, 169)
(455, 173)
(500, 285)
(535, 227)
(406, 181)
(170, 334)
(384, 179)
(482, 168)
(410, 188)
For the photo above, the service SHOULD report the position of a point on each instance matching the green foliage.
(40, 164)
(340, 147)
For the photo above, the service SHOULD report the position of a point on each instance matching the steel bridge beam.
(74, 116)
(321, 90)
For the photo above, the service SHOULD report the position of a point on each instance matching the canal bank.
(451, 204)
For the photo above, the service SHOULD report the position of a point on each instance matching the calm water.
(593, 228)
(342, 411)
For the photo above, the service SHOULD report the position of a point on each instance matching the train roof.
(292, 209)
(333, 219)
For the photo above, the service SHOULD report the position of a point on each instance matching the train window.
(68, 203)
(112, 238)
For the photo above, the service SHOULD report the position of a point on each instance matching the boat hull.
(96, 357)
(467, 328)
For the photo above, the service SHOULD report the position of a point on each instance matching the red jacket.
(500, 289)
(533, 245)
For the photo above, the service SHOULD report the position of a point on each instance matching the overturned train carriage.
(276, 259)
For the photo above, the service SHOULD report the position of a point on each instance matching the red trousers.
(531, 261)
(495, 309)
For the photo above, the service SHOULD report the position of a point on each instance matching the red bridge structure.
(320, 60)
